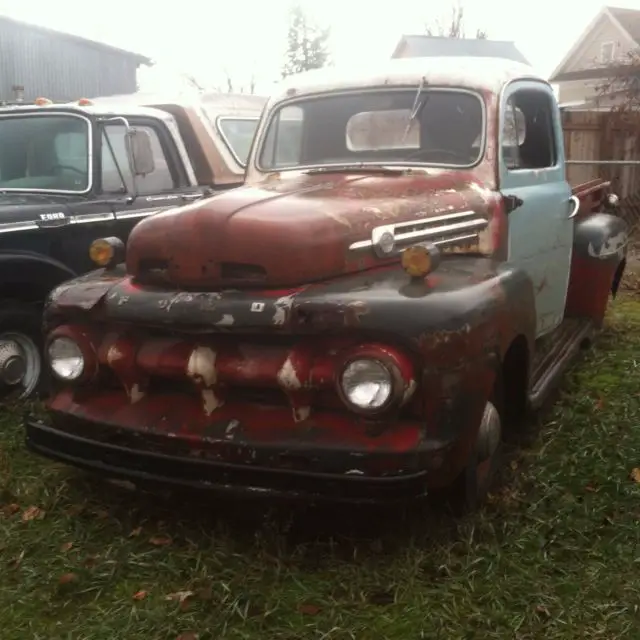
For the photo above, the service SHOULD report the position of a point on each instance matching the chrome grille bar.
(445, 230)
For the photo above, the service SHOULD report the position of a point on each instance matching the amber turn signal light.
(107, 252)
(420, 260)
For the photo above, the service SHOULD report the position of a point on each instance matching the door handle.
(573, 200)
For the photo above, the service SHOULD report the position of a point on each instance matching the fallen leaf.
(599, 404)
(31, 513)
(66, 547)
(179, 596)
(543, 611)
(160, 541)
(309, 609)
(140, 595)
(136, 532)
(10, 509)
(635, 474)
(189, 635)
(68, 578)
(101, 514)
(590, 488)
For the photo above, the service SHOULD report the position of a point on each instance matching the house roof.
(629, 19)
(627, 22)
(420, 46)
(140, 59)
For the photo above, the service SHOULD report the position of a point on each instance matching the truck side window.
(156, 182)
(283, 145)
(528, 139)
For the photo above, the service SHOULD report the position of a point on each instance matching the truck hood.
(285, 232)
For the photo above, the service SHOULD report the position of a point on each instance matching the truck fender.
(597, 264)
(32, 272)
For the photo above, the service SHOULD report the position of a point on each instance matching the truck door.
(166, 186)
(532, 171)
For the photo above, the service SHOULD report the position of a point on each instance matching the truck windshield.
(237, 134)
(42, 152)
(376, 127)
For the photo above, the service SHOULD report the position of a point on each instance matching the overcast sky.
(209, 38)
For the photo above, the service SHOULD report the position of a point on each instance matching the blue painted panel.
(540, 230)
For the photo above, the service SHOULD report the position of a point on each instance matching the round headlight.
(66, 359)
(367, 384)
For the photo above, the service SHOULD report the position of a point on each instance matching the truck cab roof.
(486, 75)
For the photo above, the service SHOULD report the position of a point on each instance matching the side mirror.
(140, 152)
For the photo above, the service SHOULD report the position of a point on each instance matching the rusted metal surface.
(600, 247)
(288, 232)
(445, 336)
(262, 363)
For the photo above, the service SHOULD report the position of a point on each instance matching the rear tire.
(21, 361)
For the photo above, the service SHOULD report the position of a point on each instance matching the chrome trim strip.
(86, 218)
(138, 213)
(447, 242)
(423, 229)
(8, 227)
(83, 218)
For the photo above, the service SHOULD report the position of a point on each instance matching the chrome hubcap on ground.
(20, 362)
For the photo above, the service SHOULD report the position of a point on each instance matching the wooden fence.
(602, 137)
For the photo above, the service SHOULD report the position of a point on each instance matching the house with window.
(598, 55)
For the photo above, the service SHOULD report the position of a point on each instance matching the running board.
(554, 354)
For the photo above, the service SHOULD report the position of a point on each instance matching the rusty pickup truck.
(404, 275)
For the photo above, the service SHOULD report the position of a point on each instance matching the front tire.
(469, 490)
(21, 361)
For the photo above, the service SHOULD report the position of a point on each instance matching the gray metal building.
(35, 61)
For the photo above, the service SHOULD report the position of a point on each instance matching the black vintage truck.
(72, 173)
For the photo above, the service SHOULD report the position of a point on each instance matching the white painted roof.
(481, 74)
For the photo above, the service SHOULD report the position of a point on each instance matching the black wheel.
(469, 490)
(20, 349)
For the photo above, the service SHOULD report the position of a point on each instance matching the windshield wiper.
(417, 107)
(360, 167)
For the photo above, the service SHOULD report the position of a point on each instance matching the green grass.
(555, 554)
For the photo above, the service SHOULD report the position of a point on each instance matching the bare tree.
(233, 86)
(620, 89)
(192, 82)
(454, 27)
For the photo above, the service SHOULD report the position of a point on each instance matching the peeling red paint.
(293, 231)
